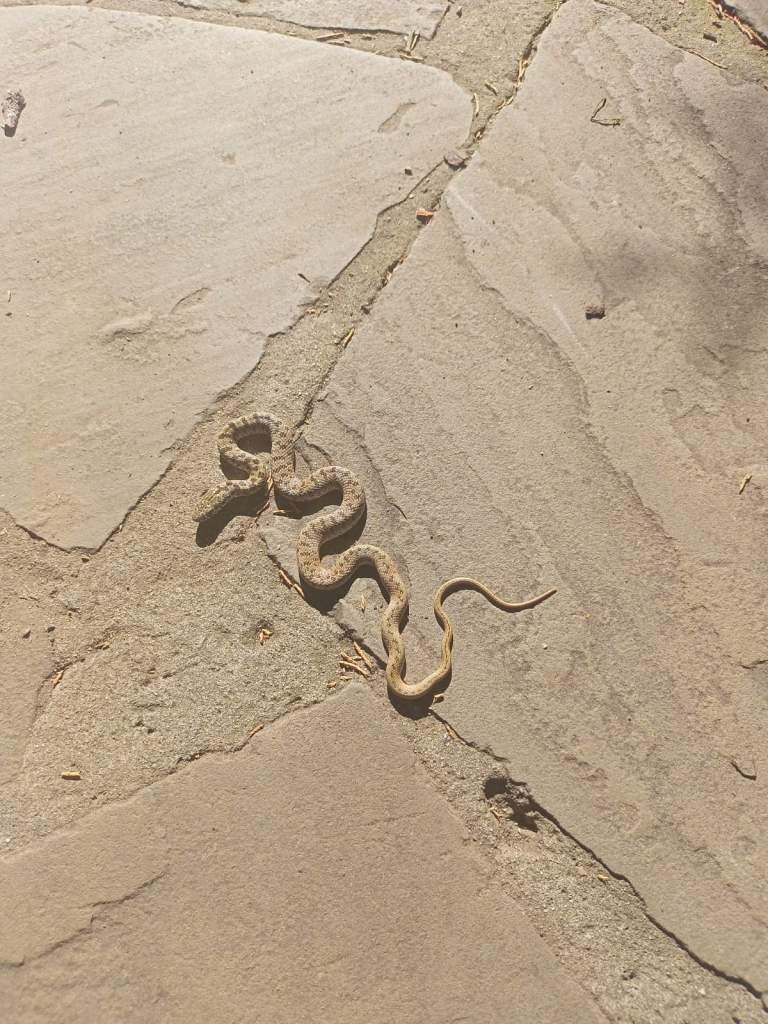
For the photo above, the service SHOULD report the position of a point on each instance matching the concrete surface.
(505, 434)
(129, 358)
(587, 793)
(332, 881)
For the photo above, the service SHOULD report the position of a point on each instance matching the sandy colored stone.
(379, 15)
(154, 227)
(26, 660)
(30, 617)
(504, 434)
(313, 875)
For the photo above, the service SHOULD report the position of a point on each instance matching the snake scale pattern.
(329, 480)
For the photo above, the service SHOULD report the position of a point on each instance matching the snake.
(278, 470)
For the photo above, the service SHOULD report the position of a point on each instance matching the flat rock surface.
(379, 15)
(296, 873)
(566, 385)
(207, 810)
(243, 161)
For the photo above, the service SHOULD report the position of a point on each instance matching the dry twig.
(347, 663)
(363, 656)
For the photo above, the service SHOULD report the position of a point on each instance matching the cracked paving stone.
(375, 15)
(296, 873)
(154, 227)
(502, 434)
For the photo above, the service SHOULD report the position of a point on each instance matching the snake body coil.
(280, 467)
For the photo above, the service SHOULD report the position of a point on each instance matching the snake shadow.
(249, 505)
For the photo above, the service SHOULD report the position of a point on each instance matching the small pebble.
(455, 158)
(596, 311)
(11, 109)
(408, 171)
(710, 36)
(49, 629)
(26, 634)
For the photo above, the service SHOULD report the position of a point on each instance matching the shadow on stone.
(248, 505)
(515, 798)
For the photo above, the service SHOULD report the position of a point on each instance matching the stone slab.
(314, 875)
(566, 385)
(26, 659)
(154, 227)
(361, 15)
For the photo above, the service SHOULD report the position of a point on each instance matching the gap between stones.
(328, 320)
(525, 807)
(391, 252)
(430, 190)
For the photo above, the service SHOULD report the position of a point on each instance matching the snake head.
(214, 501)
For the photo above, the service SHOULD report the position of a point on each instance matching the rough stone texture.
(26, 654)
(381, 15)
(148, 653)
(502, 433)
(314, 874)
(154, 228)
(753, 13)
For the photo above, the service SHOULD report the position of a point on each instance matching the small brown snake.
(280, 468)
